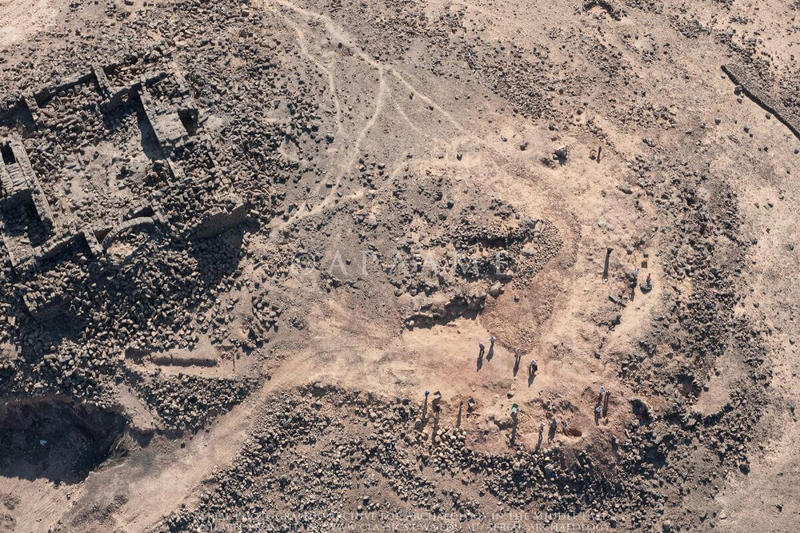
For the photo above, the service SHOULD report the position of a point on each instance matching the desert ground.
(334, 265)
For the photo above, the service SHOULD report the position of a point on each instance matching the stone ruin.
(25, 216)
(37, 234)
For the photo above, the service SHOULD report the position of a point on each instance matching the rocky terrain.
(349, 266)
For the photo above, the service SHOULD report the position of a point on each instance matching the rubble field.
(328, 265)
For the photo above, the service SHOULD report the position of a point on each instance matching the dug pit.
(55, 439)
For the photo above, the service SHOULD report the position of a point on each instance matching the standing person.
(533, 367)
(647, 286)
(436, 403)
(425, 409)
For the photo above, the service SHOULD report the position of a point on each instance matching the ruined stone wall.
(220, 219)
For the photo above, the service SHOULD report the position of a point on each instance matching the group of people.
(482, 348)
(601, 407)
(554, 426)
(533, 366)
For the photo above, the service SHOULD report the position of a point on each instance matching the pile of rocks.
(353, 442)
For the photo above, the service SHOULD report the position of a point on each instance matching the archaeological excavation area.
(332, 265)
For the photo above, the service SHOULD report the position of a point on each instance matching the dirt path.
(349, 157)
(341, 35)
(141, 481)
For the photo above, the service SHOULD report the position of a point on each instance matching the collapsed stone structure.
(221, 218)
(25, 216)
(37, 235)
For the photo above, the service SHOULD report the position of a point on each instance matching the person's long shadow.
(424, 417)
(435, 430)
(480, 361)
(551, 433)
(605, 266)
(531, 377)
(516, 366)
(539, 442)
(490, 354)
(514, 433)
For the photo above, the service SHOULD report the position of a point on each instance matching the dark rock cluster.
(332, 454)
